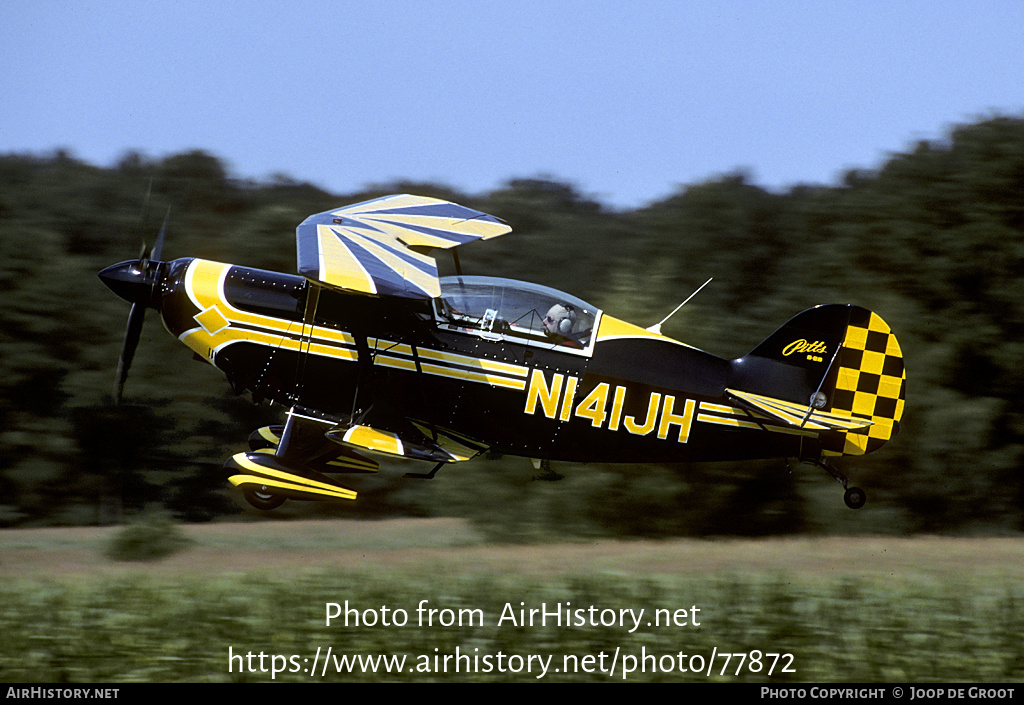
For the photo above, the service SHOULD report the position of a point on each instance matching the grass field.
(834, 609)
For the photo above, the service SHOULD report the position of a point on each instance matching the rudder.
(869, 382)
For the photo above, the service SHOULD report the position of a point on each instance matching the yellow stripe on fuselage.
(486, 365)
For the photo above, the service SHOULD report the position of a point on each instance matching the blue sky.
(625, 100)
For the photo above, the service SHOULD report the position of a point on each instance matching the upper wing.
(380, 246)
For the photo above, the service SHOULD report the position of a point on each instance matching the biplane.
(373, 354)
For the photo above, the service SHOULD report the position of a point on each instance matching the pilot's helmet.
(560, 319)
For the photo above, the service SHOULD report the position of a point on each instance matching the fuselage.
(476, 362)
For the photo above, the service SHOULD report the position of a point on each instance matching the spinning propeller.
(135, 281)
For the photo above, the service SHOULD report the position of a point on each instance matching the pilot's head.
(560, 319)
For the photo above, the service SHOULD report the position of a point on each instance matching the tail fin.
(825, 366)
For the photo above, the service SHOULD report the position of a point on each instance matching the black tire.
(263, 500)
(855, 498)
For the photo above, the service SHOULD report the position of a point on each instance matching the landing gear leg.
(854, 497)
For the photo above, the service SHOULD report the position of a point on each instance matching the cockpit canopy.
(505, 309)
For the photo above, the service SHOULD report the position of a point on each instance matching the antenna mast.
(656, 328)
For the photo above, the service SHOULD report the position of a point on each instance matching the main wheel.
(263, 500)
(855, 498)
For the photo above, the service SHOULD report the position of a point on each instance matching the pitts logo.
(813, 351)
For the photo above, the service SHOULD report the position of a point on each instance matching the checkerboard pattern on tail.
(870, 383)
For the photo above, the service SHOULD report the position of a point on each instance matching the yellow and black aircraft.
(373, 353)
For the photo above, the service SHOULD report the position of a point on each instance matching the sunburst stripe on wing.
(392, 248)
(339, 265)
(442, 216)
(464, 440)
(363, 271)
(375, 439)
(416, 235)
(410, 230)
(391, 269)
(386, 237)
(421, 206)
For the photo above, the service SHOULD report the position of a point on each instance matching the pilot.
(559, 323)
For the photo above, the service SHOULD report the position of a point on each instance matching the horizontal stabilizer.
(800, 415)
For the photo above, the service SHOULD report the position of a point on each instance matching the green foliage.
(933, 240)
(149, 539)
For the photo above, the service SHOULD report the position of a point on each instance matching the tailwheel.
(854, 497)
(263, 500)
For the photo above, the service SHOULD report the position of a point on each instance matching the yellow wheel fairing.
(269, 485)
(221, 324)
(260, 476)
